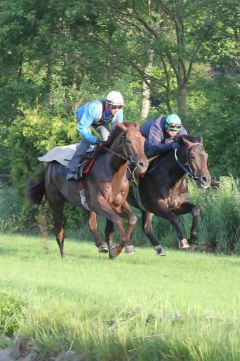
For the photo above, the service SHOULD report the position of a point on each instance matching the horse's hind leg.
(58, 227)
(92, 223)
(109, 233)
(56, 206)
(147, 229)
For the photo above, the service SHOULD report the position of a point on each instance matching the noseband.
(186, 166)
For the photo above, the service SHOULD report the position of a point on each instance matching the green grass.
(138, 307)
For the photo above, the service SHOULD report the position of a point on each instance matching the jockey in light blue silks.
(101, 115)
(159, 134)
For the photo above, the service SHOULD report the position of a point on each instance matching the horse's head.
(132, 144)
(196, 160)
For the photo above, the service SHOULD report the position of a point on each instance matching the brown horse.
(103, 191)
(163, 190)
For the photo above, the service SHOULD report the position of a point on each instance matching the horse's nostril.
(141, 164)
(205, 180)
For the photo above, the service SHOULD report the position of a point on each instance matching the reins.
(184, 166)
(126, 156)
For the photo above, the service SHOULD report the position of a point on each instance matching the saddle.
(86, 164)
(63, 154)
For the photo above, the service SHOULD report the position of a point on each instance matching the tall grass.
(218, 231)
(220, 217)
(140, 307)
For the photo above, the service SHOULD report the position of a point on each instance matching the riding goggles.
(174, 127)
(116, 106)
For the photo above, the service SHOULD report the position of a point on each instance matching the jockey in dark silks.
(160, 132)
(101, 115)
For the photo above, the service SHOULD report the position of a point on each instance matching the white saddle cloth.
(61, 154)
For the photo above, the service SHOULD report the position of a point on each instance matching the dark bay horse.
(163, 190)
(103, 191)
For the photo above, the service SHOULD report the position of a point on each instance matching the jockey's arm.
(154, 149)
(92, 113)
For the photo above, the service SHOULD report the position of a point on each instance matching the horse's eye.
(192, 157)
(129, 141)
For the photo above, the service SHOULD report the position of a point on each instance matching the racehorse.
(163, 190)
(103, 190)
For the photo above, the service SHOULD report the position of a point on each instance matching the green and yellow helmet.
(173, 122)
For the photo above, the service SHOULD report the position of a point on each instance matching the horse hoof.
(183, 244)
(129, 249)
(114, 252)
(102, 248)
(159, 251)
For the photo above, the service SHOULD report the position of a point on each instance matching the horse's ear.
(188, 143)
(121, 126)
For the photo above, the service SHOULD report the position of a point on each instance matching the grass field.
(185, 306)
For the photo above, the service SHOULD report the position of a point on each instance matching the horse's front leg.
(188, 207)
(92, 223)
(147, 229)
(162, 211)
(104, 209)
(132, 221)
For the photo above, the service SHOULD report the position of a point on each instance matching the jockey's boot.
(75, 169)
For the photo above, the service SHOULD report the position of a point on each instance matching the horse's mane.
(180, 141)
(112, 136)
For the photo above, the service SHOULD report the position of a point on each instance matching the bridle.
(125, 155)
(186, 167)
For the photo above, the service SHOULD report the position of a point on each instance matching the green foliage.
(15, 216)
(31, 136)
(216, 119)
(11, 309)
(63, 54)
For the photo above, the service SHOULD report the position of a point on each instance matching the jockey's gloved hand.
(96, 142)
(175, 146)
(102, 143)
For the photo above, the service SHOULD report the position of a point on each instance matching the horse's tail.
(36, 188)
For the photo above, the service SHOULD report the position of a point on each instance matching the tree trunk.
(181, 99)
(145, 88)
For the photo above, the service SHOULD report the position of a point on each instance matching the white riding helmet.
(115, 98)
